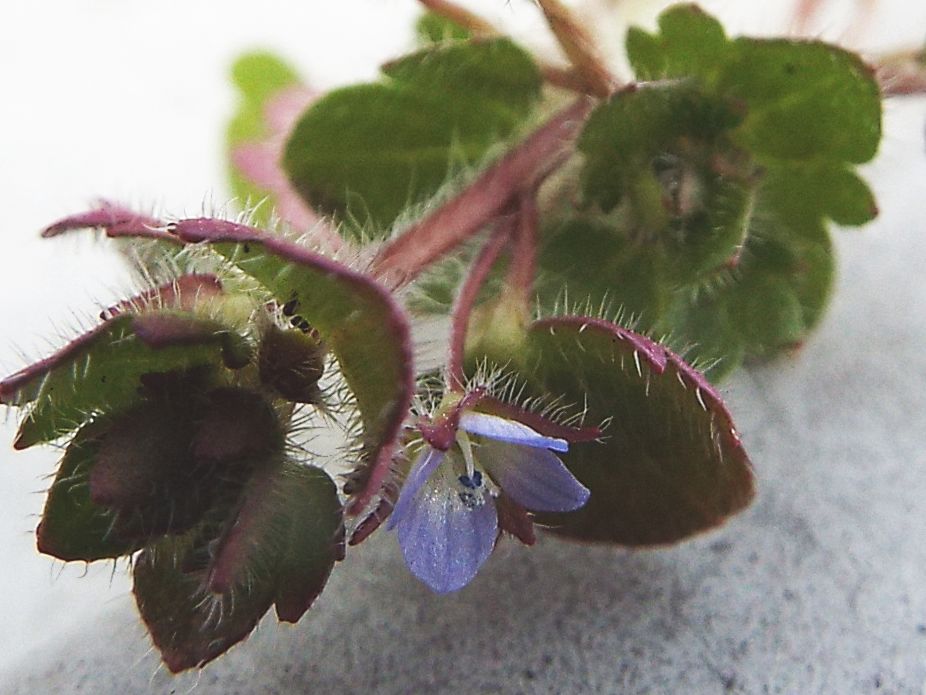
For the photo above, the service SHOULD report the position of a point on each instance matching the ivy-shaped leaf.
(356, 317)
(73, 527)
(189, 624)
(288, 532)
(278, 546)
(723, 171)
(670, 463)
(662, 156)
(101, 370)
(369, 151)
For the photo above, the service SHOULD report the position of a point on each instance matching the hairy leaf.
(355, 316)
(101, 371)
(669, 463)
(369, 151)
(189, 624)
(288, 533)
(73, 527)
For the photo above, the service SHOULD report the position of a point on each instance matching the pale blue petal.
(428, 460)
(534, 478)
(504, 430)
(445, 542)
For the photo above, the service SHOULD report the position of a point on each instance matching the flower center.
(473, 493)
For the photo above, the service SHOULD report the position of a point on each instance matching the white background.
(128, 99)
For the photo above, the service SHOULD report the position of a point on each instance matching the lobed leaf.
(670, 463)
(188, 623)
(201, 593)
(662, 156)
(288, 532)
(73, 526)
(369, 151)
(101, 371)
(355, 316)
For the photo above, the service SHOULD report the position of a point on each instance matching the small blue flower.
(445, 517)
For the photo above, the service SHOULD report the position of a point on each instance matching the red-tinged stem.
(523, 267)
(579, 46)
(403, 258)
(466, 299)
(902, 75)
(460, 16)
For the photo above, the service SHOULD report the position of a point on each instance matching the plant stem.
(461, 16)
(902, 74)
(579, 46)
(466, 299)
(523, 168)
(523, 266)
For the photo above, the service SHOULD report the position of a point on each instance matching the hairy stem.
(523, 168)
(460, 16)
(579, 46)
(523, 267)
(466, 299)
(902, 74)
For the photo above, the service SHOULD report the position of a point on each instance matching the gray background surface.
(820, 587)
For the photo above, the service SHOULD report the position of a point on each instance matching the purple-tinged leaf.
(237, 425)
(671, 463)
(359, 321)
(287, 534)
(115, 220)
(668, 462)
(183, 294)
(147, 469)
(188, 623)
(73, 527)
(101, 371)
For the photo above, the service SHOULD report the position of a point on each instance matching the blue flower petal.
(428, 460)
(444, 541)
(504, 430)
(534, 478)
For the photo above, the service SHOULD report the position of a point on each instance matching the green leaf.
(768, 304)
(661, 157)
(588, 263)
(288, 533)
(73, 527)
(690, 42)
(189, 624)
(259, 76)
(670, 463)
(101, 370)
(802, 195)
(370, 151)
(434, 28)
(805, 100)
(201, 593)
(802, 100)
(356, 317)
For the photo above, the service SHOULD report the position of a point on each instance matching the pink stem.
(466, 299)
(523, 268)
(456, 221)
